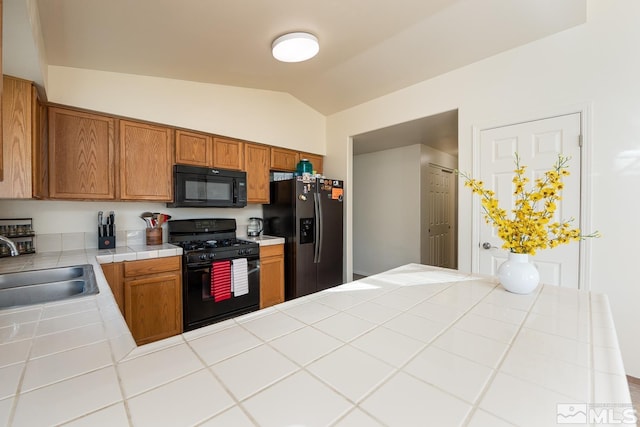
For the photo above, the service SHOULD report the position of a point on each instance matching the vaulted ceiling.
(367, 48)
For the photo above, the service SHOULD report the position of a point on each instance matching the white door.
(538, 144)
(441, 216)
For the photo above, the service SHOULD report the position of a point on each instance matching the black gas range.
(216, 284)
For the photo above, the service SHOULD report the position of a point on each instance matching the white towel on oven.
(239, 277)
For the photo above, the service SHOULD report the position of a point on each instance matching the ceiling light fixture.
(295, 47)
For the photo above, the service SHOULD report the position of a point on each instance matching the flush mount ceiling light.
(295, 47)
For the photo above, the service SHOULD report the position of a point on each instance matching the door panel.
(305, 272)
(538, 144)
(441, 217)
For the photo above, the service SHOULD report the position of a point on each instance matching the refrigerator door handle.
(318, 223)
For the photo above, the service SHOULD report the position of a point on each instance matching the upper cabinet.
(81, 155)
(39, 146)
(195, 149)
(146, 161)
(283, 159)
(257, 167)
(316, 161)
(228, 154)
(1, 124)
(17, 147)
(199, 149)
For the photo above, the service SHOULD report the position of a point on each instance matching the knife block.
(106, 242)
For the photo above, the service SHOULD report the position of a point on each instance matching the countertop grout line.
(476, 405)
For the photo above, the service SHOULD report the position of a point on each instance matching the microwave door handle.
(235, 191)
(318, 223)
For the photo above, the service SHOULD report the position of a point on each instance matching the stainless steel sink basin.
(52, 284)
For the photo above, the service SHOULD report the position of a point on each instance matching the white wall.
(595, 64)
(386, 209)
(268, 117)
(53, 217)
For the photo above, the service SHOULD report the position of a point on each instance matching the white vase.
(518, 275)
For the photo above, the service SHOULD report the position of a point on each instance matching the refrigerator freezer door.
(304, 278)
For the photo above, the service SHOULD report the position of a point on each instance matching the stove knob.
(248, 251)
(241, 252)
(203, 257)
(212, 256)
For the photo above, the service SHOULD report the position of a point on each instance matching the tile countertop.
(416, 345)
(265, 240)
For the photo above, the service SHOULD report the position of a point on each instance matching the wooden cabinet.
(149, 295)
(257, 168)
(228, 154)
(195, 149)
(152, 294)
(146, 161)
(271, 275)
(1, 84)
(283, 159)
(40, 147)
(316, 161)
(114, 273)
(17, 131)
(81, 155)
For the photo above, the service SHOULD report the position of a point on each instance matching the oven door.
(200, 308)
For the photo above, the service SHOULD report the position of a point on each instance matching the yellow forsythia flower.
(530, 228)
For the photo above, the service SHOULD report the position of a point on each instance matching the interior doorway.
(390, 192)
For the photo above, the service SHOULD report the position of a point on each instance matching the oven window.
(207, 190)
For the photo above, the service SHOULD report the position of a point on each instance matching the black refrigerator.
(308, 214)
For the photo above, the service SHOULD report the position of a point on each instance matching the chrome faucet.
(11, 244)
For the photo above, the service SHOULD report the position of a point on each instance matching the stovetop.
(202, 245)
(210, 239)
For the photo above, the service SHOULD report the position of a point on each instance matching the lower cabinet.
(149, 292)
(271, 275)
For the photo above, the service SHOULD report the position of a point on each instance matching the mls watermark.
(596, 413)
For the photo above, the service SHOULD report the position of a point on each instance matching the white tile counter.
(264, 240)
(415, 345)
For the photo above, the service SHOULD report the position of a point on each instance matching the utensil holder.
(154, 236)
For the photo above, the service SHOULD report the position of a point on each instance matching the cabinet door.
(153, 307)
(81, 155)
(194, 149)
(228, 154)
(271, 275)
(40, 147)
(257, 167)
(113, 272)
(16, 147)
(283, 159)
(146, 161)
(316, 161)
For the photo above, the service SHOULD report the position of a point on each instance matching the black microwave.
(197, 187)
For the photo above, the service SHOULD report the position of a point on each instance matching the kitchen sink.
(52, 284)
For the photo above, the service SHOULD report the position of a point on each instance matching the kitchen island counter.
(416, 345)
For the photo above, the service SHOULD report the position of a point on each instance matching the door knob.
(486, 245)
